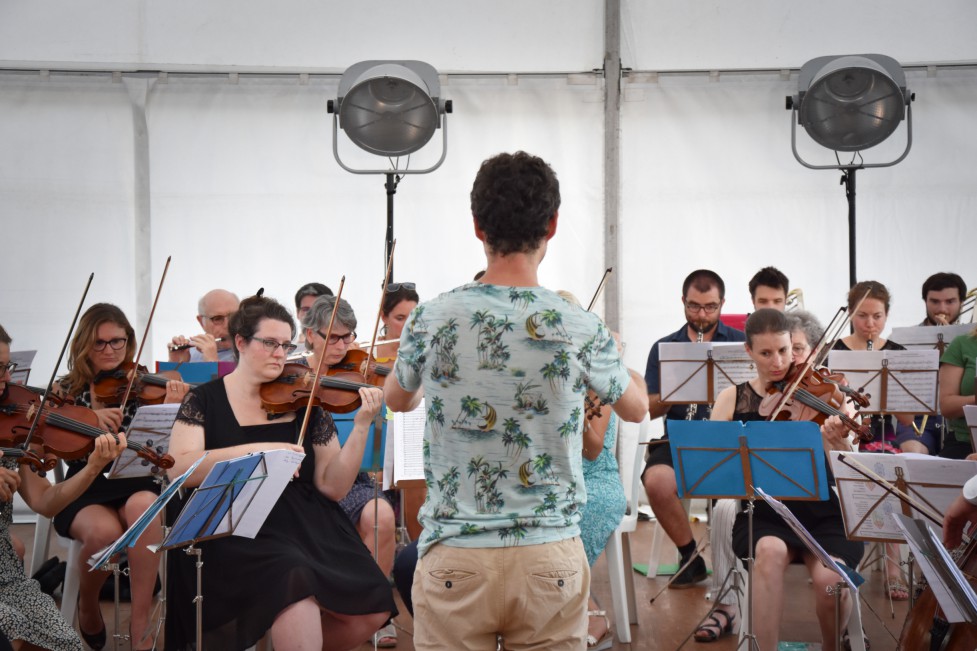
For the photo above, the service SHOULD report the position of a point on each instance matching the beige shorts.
(534, 596)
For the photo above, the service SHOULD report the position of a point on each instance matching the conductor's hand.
(959, 517)
(9, 483)
(107, 448)
(372, 398)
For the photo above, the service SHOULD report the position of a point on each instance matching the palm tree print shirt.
(505, 371)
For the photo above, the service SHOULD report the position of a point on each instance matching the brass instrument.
(795, 300)
(968, 305)
(692, 408)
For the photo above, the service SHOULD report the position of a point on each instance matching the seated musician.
(957, 391)
(399, 300)
(768, 342)
(213, 313)
(366, 508)
(769, 288)
(103, 342)
(28, 617)
(306, 576)
(304, 298)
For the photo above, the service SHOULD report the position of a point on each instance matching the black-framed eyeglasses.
(115, 344)
(396, 287)
(9, 367)
(217, 319)
(271, 345)
(332, 340)
(709, 308)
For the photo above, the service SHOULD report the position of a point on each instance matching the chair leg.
(629, 578)
(619, 600)
(42, 544)
(72, 578)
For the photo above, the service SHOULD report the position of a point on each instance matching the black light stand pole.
(848, 180)
(391, 186)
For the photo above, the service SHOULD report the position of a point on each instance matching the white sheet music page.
(263, 495)
(683, 372)
(733, 365)
(409, 444)
(928, 336)
(150, 427)
(912, 378)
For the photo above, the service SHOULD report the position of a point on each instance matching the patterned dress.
(26, 613)
(606, 502)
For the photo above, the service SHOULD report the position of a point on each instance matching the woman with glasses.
(104, 341)
(365, 511)
(28, 617)
(306, 576)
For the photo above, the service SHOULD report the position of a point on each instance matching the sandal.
(386, 637)
(711, 628)
(606, 640)
(897, 590)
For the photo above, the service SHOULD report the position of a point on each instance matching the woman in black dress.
(776, 546)
(104, 341)
(306, 576)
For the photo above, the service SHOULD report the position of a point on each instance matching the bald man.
(214, 311)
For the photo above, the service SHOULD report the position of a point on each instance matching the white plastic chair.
(618, 550)
(42, 545)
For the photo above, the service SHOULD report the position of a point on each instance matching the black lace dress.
(821, 519)
(306, 547)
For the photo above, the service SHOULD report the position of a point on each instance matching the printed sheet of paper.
(262, 495)
(23, 359)
(929, 336)
(409, 444)
(933, 482)
(150, 427)
(911, 384)
(851, 578)
(950, 587)
(685, 370)
(970, 413)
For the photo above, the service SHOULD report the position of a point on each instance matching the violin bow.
(318, 366)
(54, 373)
(383, 295)
(145, 335)
(600, 287)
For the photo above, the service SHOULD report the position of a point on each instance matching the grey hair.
(806, 323)
(318, 315)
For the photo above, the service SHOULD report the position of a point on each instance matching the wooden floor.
(665, 624)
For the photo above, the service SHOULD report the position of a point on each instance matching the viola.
(814, 399)
(65, 430)
(925, 626)
(149, 388)
(337, 392)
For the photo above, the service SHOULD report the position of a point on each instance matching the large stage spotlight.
(390, 109)
(850, 104)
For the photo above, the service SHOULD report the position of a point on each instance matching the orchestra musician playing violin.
(306, 576)
(372, 516)
(304, 298)
(769, 345)
(105, 343)
(29, 618)
(214, 310)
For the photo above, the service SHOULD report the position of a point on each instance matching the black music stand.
(721, 459)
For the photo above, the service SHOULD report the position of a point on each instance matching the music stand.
(721, 459)
(150, 427)
(929, 337)
(234, 499)
(896, 381)
(696, 372)
(970, 415)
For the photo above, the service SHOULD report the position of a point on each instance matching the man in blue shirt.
(703, 295)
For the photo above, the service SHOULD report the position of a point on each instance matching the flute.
(189, 346)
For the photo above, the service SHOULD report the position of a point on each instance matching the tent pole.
(612, 158)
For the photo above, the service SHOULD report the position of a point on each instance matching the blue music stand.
(730, 459)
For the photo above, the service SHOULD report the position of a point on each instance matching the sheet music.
(850, 577)
(409, 444)
(970, 413)
(263, 495)
(928, 336)
(912, 378)
(684, 372)
(151, 427)
(866, 506)
(950, 587)
(23, 359)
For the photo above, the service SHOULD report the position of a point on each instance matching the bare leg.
(96, 527)
(824, 603)
(345, 632)
(772, 558)
(298, 627)
(143, 567)
(384, 555)
(662, 493)
(596, 624)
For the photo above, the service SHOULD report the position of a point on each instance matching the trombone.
(968, 306)
(795, 299)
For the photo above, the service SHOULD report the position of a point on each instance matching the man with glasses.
(214, 311)
(703, 295)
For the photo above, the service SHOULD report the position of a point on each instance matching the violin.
(360, 361)
(815, 398)
(925, 627)
(338, 392)
(149, 388)
(65, 430)
(29, 458)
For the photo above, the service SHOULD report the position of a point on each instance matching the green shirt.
(962, 352)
